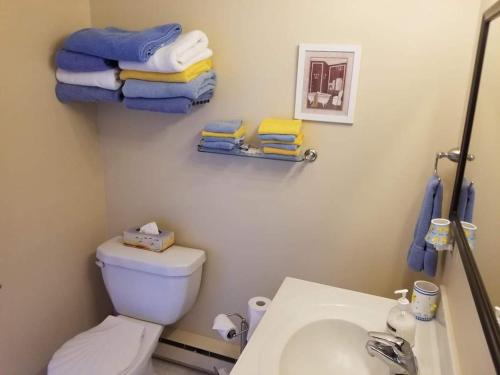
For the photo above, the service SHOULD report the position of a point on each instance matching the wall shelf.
(245, 150)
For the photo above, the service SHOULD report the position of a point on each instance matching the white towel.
(106, 79)
(187, 50)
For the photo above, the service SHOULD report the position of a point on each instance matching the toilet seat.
(118, 345)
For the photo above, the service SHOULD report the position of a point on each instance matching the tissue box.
(153, 242)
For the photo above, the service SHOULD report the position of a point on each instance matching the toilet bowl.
(148, 290)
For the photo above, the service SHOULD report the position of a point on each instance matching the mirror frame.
(483, 305)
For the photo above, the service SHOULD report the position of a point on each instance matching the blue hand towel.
(223, 126)
(277, 137)
(170, 105)
(282, 146)
(421, 255)
(117, 44)
(76, 93)
(218, 145)
(80, 62)
(135, 88)
(222, 139)
(466, 201)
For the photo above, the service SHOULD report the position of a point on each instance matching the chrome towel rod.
(453, 155)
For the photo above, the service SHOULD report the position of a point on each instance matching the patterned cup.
(470, 233)
(438, 233)
(424, 300)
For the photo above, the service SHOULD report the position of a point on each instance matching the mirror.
(481, 137)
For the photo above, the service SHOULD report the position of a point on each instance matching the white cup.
(424, 300)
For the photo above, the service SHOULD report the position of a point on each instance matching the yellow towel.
(298, 141)
(280, 126)
(279, 151)
(185, 76)
(237, 134)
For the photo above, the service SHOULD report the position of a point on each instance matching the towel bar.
(309, 155)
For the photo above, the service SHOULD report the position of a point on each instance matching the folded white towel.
(106, 79)
(187, 50)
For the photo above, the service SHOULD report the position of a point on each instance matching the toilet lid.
(107, 349)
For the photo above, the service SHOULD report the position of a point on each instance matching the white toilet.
(149, 290)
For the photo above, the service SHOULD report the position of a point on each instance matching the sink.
(329, 346)
(317, 329)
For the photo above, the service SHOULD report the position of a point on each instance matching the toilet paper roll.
(257, 306)
(223, 325)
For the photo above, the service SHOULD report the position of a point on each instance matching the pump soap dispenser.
(400, 321)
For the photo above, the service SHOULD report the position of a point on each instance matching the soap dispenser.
(400, 321)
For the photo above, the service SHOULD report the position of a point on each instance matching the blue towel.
(277, 137)
(76, 93)
(236, 141)
(168, 105)
(281, 145)
(466, 201)
(117, 44)
(421, 255)
(80, 62)
(135, 88)
(223, 126)
(218, 145)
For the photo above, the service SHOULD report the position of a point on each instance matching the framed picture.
(327, 81)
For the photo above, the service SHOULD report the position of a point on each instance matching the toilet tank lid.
(175, 261)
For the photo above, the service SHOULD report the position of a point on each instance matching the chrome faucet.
(394, 351)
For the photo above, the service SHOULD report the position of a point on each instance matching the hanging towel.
(281, 138)
(237, 134)
(185, 76)
(187, 50)
(280, 126)
(275, 138)
(279, 151)
(421, 255)
(236, 141)
(223, 126)
(106, 79)
(75, 93)
(134, 88)
(466, 201)
(169, 105)
(80, 62)
(218, 145)
(117, 44)
(282, 146)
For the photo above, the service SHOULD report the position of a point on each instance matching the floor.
(167, 368)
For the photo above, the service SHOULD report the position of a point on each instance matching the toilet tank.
(155, 287)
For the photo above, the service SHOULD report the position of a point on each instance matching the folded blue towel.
(236, 141)
(80, 62)
(135, 88)
(218, 145)
(223, 126)
(278, 137)
(76, 93)
(117, 44)
(422, 256)
(466, 201)
(170, 105)
(282, 146)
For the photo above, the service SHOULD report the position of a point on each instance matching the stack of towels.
(281, 136)
(174, 78)
(82, 77)
(87, 64)
(223, 135)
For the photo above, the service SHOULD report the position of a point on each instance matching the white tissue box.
(153, 242)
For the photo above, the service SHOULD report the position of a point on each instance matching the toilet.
(148, 290)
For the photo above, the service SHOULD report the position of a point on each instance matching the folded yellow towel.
(279, 151)
(280, 126)
(185, 76)
(237, 134)
(298, 141)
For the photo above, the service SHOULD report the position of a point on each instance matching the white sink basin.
(329, 346)
(314, 329)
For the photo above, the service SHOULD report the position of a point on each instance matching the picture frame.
(327, 82)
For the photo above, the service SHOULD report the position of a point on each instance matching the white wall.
(346, 219)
